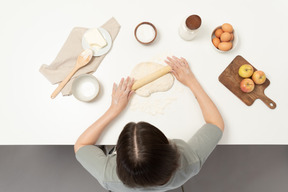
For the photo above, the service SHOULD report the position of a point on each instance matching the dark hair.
(144, 156)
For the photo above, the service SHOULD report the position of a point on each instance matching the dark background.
(230, 168)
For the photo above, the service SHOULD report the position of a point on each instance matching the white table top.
(32, 33)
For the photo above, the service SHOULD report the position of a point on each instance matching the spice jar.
(190, 27)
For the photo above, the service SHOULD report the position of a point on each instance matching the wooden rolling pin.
(151, 77)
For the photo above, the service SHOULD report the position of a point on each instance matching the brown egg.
(226, 27)
(216, 41)
(218, 32)
(225, 36)
(225, 46)
(232, 36)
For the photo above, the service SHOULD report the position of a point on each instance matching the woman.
(146, 160)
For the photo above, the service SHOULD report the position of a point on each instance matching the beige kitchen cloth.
(66, 58)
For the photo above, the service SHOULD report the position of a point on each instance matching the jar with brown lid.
(190, 27)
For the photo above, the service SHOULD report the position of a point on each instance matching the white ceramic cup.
(85, 87)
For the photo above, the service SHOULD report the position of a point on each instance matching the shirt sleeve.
(93, 160)
(204, 141)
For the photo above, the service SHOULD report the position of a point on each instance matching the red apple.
(245, 70)
(247, 85)
(259, 77)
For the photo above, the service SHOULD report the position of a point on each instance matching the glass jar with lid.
(190, 27)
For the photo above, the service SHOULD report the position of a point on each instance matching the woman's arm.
(183, 73)
(120, 98)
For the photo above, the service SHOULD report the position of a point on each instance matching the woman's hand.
(180, 69)
(183, 73)
(121, 95)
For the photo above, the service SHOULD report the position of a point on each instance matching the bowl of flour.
(145, 33)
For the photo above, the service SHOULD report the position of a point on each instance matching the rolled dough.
(141, 70)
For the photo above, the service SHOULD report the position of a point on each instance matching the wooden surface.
(230, 79)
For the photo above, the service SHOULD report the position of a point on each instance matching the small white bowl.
(85, 87)
(234, 41)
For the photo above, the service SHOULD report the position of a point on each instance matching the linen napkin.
(67, 57)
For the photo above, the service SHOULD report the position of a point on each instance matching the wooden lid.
(193, 22)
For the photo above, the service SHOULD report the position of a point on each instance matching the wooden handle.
(151, 77)
(269, 102)
(63, 83)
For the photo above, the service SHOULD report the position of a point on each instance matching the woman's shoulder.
(187, 155)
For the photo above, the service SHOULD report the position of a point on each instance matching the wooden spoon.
(82, 60)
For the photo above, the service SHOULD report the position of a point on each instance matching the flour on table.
(159, 102)
(161, 84)
(153, 106)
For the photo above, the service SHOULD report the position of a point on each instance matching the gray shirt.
(192, 156)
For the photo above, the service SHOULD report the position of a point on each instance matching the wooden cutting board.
(231, 79)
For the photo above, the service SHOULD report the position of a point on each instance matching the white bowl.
(85, 87)
(234, 41)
